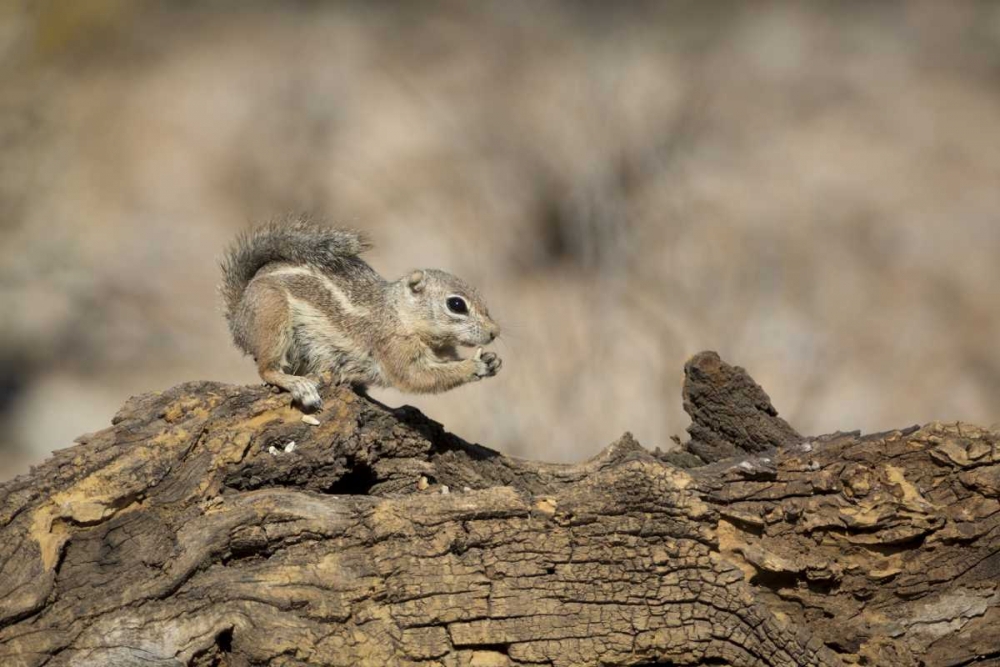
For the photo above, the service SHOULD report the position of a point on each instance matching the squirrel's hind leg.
(269, 334)
(304, 391)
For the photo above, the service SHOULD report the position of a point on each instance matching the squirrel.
(301, 301)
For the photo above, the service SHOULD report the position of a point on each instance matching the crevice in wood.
(357, 481)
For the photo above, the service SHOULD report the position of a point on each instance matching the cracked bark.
(185, 534)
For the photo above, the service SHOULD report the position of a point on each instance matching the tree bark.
(210, 525)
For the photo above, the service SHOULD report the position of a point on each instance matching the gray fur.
(299, 240)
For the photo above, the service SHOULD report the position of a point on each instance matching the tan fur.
(306, 312)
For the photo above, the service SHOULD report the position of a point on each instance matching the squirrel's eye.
(456, 304)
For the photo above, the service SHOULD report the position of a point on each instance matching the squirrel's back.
(300, 241)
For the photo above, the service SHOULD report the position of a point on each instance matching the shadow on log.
(211, 526)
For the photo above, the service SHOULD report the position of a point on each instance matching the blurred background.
(810, 188)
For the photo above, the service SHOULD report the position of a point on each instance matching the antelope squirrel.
(300, 300)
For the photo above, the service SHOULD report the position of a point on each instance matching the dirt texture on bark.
(210, 525)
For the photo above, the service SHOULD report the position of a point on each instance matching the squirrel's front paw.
(487, 363)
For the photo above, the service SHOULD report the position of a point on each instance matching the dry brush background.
(810, 188)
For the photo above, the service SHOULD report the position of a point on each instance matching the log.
(210, 525)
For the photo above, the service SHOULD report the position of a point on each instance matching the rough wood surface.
(192, 532)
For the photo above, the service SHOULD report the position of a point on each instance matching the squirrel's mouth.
(452, 351)
(473, 345)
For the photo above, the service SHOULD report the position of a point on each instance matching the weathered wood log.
(211, 526)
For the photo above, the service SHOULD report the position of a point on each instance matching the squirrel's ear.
(416, 281)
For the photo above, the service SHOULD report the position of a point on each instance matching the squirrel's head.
(445, 311)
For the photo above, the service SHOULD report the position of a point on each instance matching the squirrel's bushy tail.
(299, 240)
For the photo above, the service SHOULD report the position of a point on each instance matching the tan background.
(809, 188)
